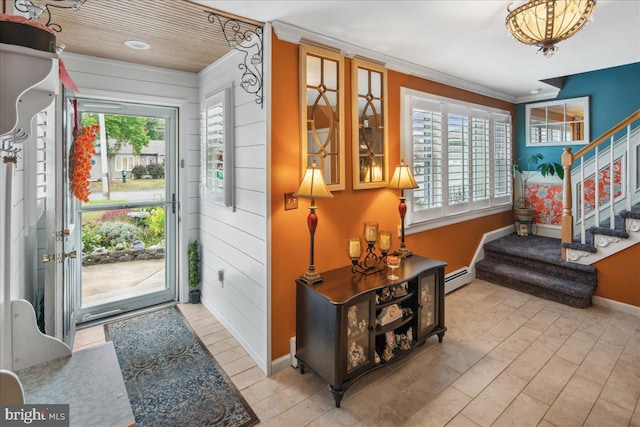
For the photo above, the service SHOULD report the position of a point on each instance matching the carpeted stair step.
(586, 247)
(534, 264)
(621, 233)
(560, 269)
(633, 213)
(537, 253)
(539, 283)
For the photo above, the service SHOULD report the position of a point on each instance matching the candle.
(355, 247)
(371, 232)
(385, 240)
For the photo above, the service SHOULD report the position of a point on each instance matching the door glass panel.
(357, 335)
(129, 240)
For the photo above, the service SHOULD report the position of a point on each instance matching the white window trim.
(444, 215)
(120, 158)
(223, 196)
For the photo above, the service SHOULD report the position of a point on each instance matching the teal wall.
(614, 93)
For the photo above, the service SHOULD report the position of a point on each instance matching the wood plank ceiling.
(178, 31)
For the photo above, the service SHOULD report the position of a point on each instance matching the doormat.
(171, 378)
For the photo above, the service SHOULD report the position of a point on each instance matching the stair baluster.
(628, 180)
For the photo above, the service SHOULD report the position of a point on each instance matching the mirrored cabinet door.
(322, 107)
(369, 106)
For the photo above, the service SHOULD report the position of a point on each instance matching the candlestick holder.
(371, 262)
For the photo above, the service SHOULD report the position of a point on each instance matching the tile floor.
(508, 359)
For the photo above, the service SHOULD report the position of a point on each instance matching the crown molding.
(542, 96)
(295, 34)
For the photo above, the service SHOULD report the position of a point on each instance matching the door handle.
(62, 233)
(50, 257)
(173, 203)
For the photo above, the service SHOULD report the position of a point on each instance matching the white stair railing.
(611, 173)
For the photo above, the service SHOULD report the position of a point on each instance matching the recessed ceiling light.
(135, 44)
(534, 91)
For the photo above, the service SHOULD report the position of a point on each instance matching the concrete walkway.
(110, 282)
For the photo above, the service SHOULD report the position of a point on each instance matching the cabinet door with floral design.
(359, 342)
(426, 304)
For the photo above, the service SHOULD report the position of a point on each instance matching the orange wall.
(343, 216)
(619, 276)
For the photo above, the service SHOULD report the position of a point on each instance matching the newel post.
(567, 218)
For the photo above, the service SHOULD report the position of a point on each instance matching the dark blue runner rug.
(171, 378)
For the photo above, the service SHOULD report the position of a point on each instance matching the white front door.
(62, 232)
(128, 226)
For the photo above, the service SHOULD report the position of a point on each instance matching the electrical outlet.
(290, 201)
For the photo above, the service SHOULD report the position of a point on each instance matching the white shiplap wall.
(235, 240)
(107, 79)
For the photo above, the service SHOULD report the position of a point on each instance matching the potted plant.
(522, 207)
(194, 272)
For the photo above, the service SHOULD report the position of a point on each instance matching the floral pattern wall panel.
(546, 199)
(604, 188)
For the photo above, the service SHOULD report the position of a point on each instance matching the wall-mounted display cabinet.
(352, 324)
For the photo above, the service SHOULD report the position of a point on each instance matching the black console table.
(351, 324)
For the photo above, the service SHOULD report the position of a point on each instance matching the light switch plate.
(290, 201)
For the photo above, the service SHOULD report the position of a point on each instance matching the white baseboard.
(229, 327)
(616, 305)
(548, 230)
(486, 238)
(280, 364)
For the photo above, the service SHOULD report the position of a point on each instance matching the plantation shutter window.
(460, 155)
(217, 148)
(427, 156)
(502, 180)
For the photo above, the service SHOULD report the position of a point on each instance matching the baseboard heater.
(456, 279)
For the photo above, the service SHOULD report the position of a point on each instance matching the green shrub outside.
(138, 171)
(118, 232)
(116, 226)
(156, 171)
(91, 238)
(153, 227)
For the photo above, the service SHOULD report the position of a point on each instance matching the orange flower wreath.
(80, 154)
